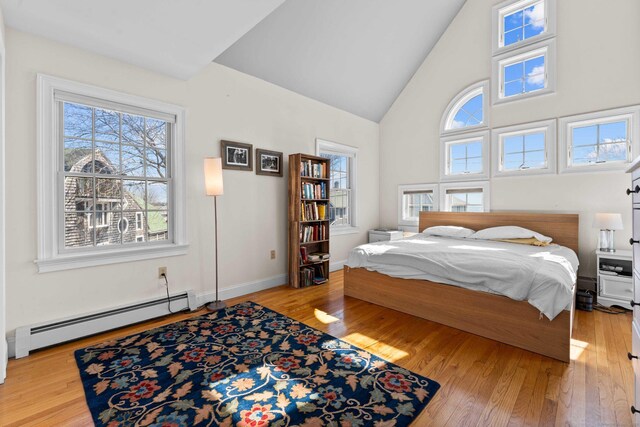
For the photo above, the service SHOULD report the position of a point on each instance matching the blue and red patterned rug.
(246, 366)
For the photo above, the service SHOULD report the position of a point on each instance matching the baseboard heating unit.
(37, 336)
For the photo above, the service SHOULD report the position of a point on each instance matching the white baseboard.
(337, 265)
(243, 289)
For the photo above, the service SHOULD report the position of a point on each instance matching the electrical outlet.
(273, 254)
(161, 271)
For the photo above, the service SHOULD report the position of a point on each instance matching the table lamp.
(607, 223)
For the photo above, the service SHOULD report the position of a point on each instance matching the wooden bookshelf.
(309, 221)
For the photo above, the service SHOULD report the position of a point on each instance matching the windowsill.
(96, 258)
(604, 167)
(344, 230)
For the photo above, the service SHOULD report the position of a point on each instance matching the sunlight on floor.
(384, 350)
(324, 317)
(577, 348)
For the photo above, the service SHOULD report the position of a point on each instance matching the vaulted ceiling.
(355, 55)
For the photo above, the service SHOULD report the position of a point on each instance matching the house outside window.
(465, 196)
(120, 160)
(342, 184)
(413, 199)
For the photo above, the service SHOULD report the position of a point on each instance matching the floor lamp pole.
(217, 304)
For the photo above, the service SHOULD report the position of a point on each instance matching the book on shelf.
(313, 211)
(313, 169)
(303, 255)
(318, 256)
(314, 191)
(312, 275)
(312, 233)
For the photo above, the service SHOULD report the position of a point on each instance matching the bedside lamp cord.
(166, 283)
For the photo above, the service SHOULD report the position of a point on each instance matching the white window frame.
(456, 103)
(140, 217)
(565, 135)
(462, 138)
(484, 185)
(546, 48)
(402, 188)
(50, 195)
(548, 127)
(499, 11)
(330, 147)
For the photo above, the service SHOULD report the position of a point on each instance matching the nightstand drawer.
(635, 196)
(635, 351)
(616, 287)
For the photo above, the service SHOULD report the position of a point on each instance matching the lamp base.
(216, 306)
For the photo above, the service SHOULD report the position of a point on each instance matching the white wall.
(598, 68)
(3, 341)
(222, 104)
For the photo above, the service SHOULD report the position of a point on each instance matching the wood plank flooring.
(484, 383)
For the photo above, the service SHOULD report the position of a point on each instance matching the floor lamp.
(213, 184)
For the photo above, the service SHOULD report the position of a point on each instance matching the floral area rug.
(245, 366)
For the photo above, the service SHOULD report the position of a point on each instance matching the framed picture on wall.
(268, 162)
(236, 155)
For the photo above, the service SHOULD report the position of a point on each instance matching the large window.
(517, 23)
(413, 199)
(467, 111)
(465, 157)
(524, 149)
(342, 184)
(120, 163)
(603, 140)
(465, 197)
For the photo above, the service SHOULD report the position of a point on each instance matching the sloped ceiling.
(174, 37)
(356, 55)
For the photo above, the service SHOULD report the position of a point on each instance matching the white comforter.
(544, 276)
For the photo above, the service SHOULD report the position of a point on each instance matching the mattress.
(543, 276)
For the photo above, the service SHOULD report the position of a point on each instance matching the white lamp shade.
(608, 221)
(213, 176)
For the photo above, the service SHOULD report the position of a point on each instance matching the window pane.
(613, 132)
(339, 207)
(107, 125)
(513, 88)
(77, 154)
(513, 21)
(534, 69)
(78, 194)
(157, 225)
(474, 198)
(78, 121)
(107, 158)
(134, 192)
(523, 24)
(132, 129)
(513, 161)
(133, 160)
(535, 160)
(470, 114)
(612, 152)
(108, 189)
(156, 195)
(414, 203)
(513, 72)
(584, 154)
(586, 135)
(156, 133)
(513, 144)
(107, 232)
(513, 36)
(156, 163)
(78, 230)
(534, 20)
(534, 141)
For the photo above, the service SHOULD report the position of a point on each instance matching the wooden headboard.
(562, 228)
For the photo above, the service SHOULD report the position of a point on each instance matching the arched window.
(468, 110)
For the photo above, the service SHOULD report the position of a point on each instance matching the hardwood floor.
(483, 382)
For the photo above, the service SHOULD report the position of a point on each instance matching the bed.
(490, 315)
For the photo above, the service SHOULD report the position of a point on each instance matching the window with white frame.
(465, 157)
(107, 159)
(468, 110)
(342, 184)
(413, 199)
(465, 197)
(603, 140)
(528, 72)
(524, 149)
(521, 22)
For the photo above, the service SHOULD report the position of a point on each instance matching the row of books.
(307, 257)
(312, 211)
(312, 233)
(314, 275)
(314, 191)
(312, 169)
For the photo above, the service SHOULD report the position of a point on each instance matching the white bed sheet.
(543, 276)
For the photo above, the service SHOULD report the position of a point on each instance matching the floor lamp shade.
(213, 176)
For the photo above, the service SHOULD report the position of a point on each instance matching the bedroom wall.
(221, 104)
(597, 69)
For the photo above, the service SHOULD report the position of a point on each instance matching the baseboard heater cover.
(33, 337)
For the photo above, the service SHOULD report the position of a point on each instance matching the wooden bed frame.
(497, 317)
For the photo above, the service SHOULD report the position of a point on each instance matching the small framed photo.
(236, 155)
(268, 162)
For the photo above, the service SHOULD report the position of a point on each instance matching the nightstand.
(384, 235)
(615, 278)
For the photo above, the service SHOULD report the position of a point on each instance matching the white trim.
(483, 136)
(548, 127)
(434, 188)
(242, 289)
(484, 185)
(4, 352)
(352, 152)
(459, 100)
(546, 48)
(566, 124)
(500, 10)
(50, 257)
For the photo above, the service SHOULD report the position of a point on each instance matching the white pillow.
(448, 231)
(508, 232)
